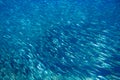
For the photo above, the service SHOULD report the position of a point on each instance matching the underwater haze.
(59, 40)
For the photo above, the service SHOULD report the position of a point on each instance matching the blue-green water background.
(59, 39)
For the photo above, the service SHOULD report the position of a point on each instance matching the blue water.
(59, 40)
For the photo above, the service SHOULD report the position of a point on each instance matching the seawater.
(59, 40)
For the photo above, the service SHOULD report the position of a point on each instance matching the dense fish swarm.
(59, 40)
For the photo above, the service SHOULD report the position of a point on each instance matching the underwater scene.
(59, 39)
